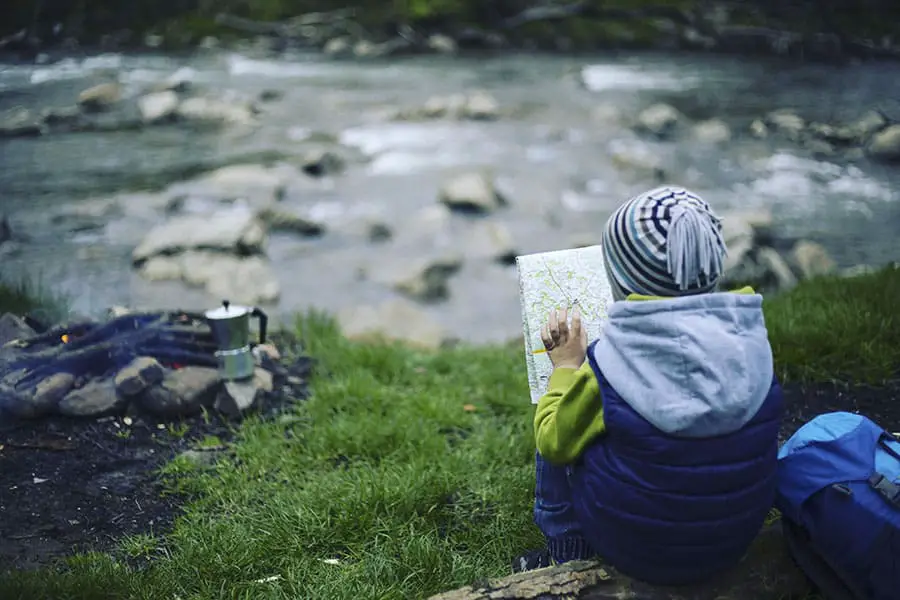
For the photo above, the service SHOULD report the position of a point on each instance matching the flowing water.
(552, 159)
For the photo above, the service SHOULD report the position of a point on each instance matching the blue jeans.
(554, 513)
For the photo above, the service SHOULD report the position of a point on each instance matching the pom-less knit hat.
(665, 242)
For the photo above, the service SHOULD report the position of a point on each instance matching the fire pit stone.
(13, 328)
(182, 392)
(94, 398)
(141, 373)
(50, 391)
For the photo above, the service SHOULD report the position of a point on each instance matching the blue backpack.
(839, 495)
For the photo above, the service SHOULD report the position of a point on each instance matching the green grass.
(838, 329)
(383, 485)
(24, 296)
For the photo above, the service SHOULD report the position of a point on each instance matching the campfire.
(165, 364)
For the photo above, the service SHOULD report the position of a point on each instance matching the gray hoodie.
(693, 366)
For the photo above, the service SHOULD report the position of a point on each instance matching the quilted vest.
(669, 510)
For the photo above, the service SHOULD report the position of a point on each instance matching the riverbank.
(846, 29)
(368, 167)
(406, 473)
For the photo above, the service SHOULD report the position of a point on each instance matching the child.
(658, 454)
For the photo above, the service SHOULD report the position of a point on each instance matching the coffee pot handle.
(263, 323)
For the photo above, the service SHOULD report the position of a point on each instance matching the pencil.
(541, 351)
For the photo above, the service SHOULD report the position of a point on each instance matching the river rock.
(393, 320)
(437, 107)
(339, 46)
(158, 106)
(212, 110)
(442, 44)
(421, 278)
(759, 129)
(855, 133)
(636, 160)
(320, 162)
(471, 192)
(100, 97)
(21, 122)
(786, 122)
(659, 120)
(290, 220)
(96, 398)
(257, 184)
(244, 280)
(713, 131)
(250, 280)
(162, 268)
(183, 392)
(490, 240)
(812, 260)
(180, 81)
(232, 231)
(885, 145)
(480, 106)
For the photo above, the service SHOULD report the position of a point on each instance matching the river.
(552, 159)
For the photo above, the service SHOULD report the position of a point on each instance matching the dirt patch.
(804, 402)
(68, 485)
(73, 485)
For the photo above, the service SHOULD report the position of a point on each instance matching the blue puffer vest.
(668, 510)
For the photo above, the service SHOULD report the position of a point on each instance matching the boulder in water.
(21, 122)
(100, 97)
(786, 122)
(471, 192)
(158, 106)
(659, 120)
(339, 46)
(423, 278)
(885, 145)
(442, 44)
(232, 231)
(713, 131)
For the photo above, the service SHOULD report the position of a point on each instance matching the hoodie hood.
(694, 366)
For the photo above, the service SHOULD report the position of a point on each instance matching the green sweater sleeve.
(569, 416)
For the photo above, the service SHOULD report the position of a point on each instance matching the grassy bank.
(24, 296)
(408, 473)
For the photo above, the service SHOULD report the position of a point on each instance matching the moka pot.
(230, 325)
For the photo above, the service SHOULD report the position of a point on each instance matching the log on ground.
(767, 572)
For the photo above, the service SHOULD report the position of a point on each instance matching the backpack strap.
(886, 488)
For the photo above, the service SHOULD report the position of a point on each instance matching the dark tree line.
(52, 20)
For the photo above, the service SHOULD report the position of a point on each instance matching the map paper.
(550, 280)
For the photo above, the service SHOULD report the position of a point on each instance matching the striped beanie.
(666, 242)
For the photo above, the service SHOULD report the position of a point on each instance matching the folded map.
(550, 280)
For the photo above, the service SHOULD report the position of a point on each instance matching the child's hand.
(566, 346)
